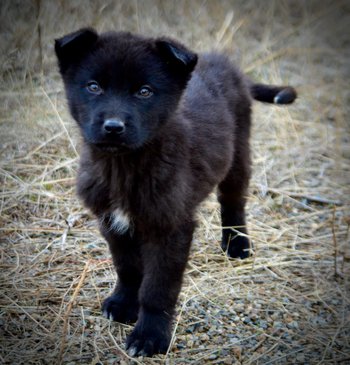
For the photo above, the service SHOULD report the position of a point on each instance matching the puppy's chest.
(128, 199)
(141, 208)
(120, 221)
(129, 204)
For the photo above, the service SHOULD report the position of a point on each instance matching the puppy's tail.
(273, 94)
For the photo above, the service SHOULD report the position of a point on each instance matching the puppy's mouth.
(111, 148)
(116, 149)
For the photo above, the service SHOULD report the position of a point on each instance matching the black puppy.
(161, 128)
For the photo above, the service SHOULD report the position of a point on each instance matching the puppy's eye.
(145, 92)
(94, 88)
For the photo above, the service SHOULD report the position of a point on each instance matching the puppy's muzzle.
(113, 126)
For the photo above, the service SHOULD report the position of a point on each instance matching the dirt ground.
(290, 303)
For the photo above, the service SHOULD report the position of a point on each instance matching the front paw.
(147, 342)
(151, 335)
(121, 308)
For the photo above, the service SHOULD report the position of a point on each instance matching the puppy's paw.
(147, 342)
(237, 246)
(120, 308)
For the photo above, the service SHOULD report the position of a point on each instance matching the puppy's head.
(121, 88)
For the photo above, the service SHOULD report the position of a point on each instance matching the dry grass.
(290, 303)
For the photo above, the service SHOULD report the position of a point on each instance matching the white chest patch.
(120, 221)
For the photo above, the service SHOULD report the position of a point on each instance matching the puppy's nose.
(115, 126)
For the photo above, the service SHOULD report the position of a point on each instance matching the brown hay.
(290, 302)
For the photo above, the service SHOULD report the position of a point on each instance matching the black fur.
(273, 94)
(161, 128)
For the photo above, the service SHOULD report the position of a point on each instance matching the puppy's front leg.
(122, 306)
(164, 263)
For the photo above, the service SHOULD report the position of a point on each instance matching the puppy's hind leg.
(232, 197)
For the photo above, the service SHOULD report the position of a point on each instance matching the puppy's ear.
(72, 47)
(176, 55)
